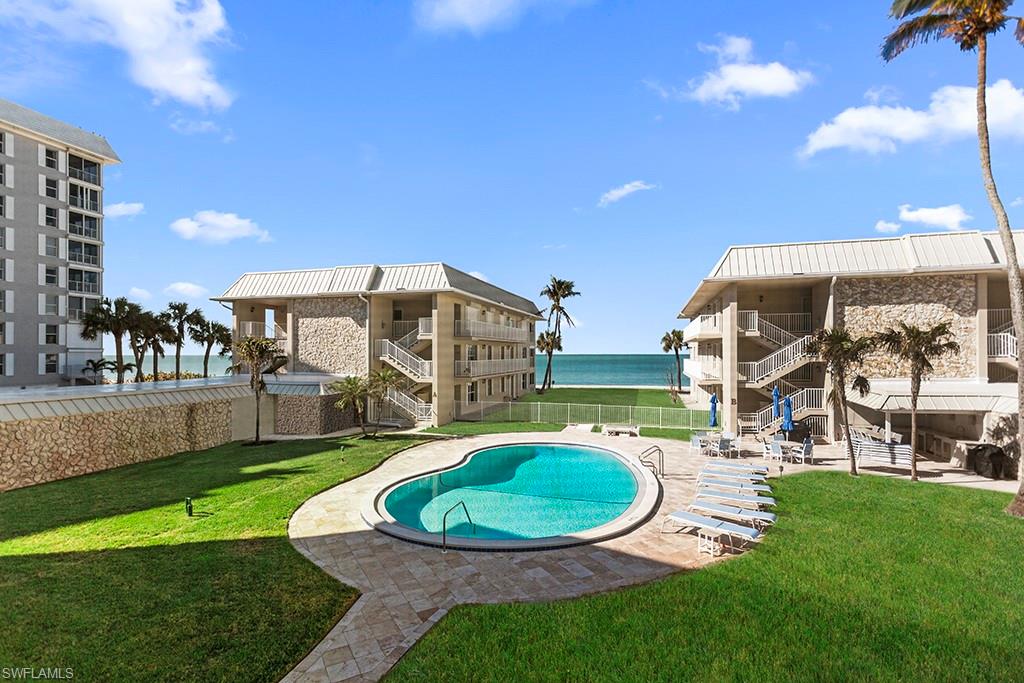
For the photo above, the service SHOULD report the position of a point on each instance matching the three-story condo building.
(51, 245)
(456, 339)
(752, 317)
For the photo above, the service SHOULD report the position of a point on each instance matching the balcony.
(80, 202)
(703, 369)
(82, 230)
(82, 257)
(263, 331)
(478, 329)
(704, 326)
(84, 287)
(86, 175)
(497, 366)
(412, 329)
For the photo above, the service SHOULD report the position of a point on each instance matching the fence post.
(510, 411)
(568, 413)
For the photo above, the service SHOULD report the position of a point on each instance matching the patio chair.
(696, 445)
(710, 530)
(804, 453)
(758, 518)
(721, 448)
(741, 467)
(738, 487)
(773, 451)
(725, 473)
(737, 498)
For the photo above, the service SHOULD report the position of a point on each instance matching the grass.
(607, 397)
(662, 433)
(862, 579)
(473, 428)
(107, 575)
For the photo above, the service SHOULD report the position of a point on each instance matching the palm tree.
(557, 291)
(96, 367)
(256, 355)
(380, 382)
(158, 333)
(548, 342)
(140, 326)
(969, 23)
(352, 391)
(209, 334)
(113, 318)
(843, 355)
(918, 347)
(673, 341)
(180, 317)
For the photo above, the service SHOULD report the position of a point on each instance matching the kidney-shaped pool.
(528, 495)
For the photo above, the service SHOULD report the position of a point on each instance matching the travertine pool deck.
(406, 588)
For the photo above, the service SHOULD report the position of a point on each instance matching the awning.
(939, 397)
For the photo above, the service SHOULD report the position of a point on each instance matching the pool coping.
(644, 505)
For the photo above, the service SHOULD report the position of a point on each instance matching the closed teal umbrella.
(713, 419)
(787, 416)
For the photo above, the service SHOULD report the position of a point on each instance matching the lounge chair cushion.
(690, 519)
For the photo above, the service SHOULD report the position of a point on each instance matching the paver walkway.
(406, 588)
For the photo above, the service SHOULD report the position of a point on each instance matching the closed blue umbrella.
(713, 420)
(775, 402)
(787, 416)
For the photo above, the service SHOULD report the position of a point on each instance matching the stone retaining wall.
(866, 306)
(331, 336)
(47, 449)
(310, 415)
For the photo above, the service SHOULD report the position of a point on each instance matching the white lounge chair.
(734, 486)
(710, 530)
(616, 430)
(742, 466)
(697, 445)
(738, 498)
(758, 518)
(731, 475)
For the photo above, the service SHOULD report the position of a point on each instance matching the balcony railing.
(84, 175)
(86, 287)
(256, 328)
(1002, 345)
(708, 323)
(497, 366)
(82, 231)
(703, 368)
(82, 257)
(81, 202)
(1000, 320)
(485, 330)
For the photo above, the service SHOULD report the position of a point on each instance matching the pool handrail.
(655, 450)
(444, 524)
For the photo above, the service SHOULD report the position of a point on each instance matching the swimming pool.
(519, 495)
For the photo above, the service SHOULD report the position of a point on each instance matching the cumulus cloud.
(123, 209)
(478, 16)
(166, 41)
(738, 77)
(951, 114)
(949, 217)
(887, 227)
(218, 228)
(139, 293)
(616, 193)
(189, 290)
(1019, 201)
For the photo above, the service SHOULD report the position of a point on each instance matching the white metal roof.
(940, 397)
(58, 131)
(370, 279)
(909, 254)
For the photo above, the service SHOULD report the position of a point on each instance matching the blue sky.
(620, 145)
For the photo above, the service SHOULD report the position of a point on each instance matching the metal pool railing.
(444, 524)
(582, 413)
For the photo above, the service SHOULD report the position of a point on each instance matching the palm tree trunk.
(177, 359)
(1016, 506)
(840, 390)
(156, 365)
(257, 440)
(915, 389)
(119, 354)
(679, 372)
(206, 359)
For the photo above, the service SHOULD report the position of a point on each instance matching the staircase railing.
(757, 371)
(754, 321)
(410, 364)
(802, 400)
(409, 404)
(1002, 345)
(999, 320)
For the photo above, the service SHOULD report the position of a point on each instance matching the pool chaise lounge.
(758, 518)
(703, 482)
(743, 467)
(734, 475)
(709, 530)
(757, 501)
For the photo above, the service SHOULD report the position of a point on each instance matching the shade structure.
(787, 415)
(775, 402)
(713, 417)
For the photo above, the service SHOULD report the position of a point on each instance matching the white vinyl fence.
(581, 413)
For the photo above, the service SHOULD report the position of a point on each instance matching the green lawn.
(862, 579)
(659, 433)
(106, 574)
(471, 428)
(607, 397)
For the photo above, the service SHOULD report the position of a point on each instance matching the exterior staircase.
(409, 364)
(410, 405)
(757, 374)
(758, 328)
(805, 402)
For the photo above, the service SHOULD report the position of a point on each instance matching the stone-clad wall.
(47, 449)
(331, 335)
(867, 306)
(310, 415)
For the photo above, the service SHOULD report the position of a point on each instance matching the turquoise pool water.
(522, 491)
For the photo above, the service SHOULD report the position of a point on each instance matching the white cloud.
(1019, 201)
(882, 93)
(180, 124)
(738, 77)
(189, 290)
(478, 275)
(477, 16)
(949, 217)
(218, 228)
(616, 193)
(887, 226)
(123, 209)
(165, 40)
(951, 114)
(139, 293)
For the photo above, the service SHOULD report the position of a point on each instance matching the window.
(3, 144)
(3, 269)
(85, 226)
(51, 335)
(51, 247)
(471, 352)
(78, 306)
(50, 158)
(3, 171)
(490, 387)
(51, 305)
(50, 217)
(3, 356)
(471, 392)
(503, 385)
(51, 188)
(84, 198)
(50, 364)
(83, 281)
(3, 301)
(50, 276)
(533, 378)
(3, 238)
(526, 379)
(84, 253)
(3, 202)
(83, 169)
(3, 334)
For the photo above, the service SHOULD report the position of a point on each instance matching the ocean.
(612, 369)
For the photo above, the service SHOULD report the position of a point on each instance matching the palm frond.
(1018, 32)
(915, 31)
